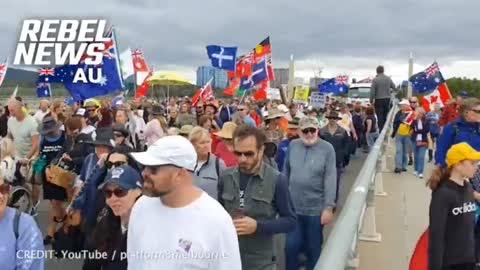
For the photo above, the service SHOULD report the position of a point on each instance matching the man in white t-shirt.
(176, 225)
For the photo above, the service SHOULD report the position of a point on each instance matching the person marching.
(452, 211)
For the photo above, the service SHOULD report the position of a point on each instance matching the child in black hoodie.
(452, 211)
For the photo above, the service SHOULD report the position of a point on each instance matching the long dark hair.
(107, 234)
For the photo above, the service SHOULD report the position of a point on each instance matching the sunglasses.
(413, 102)
(5, 188)
(247, 154)
(118, 192)
(118, 134)
(91, 110)
(110, 164)
(241, 110)
(309, 130)
(476, 111)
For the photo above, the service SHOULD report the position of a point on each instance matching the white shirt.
(39, 115)
(200, 235)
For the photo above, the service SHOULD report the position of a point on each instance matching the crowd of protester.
(230, 175)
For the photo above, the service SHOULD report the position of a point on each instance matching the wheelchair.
(20, 196)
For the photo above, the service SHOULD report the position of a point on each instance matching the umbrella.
(167, 79)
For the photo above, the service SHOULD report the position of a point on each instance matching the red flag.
(203, 94)
(3, 71)
(140, 66)
(244, 66)
(441, 96)
(231, 90)
(419, 260)
(142, 90)
(261, 93)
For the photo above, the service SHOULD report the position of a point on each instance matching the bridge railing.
(357, 218)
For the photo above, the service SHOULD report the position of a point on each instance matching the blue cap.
(123, 176)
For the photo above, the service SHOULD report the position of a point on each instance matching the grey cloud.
(175, 33)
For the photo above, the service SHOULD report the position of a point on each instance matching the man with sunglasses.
(176, 221)
(257, 197)
(243, 111)
(310, 166)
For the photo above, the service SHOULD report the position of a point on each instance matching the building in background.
(205, 73)
(281, 77)
(314, 82)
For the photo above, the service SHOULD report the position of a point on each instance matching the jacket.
(397, 120)
(422, 132)
(338, 140)
(457, 132)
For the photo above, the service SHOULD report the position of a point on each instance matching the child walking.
(452, 211)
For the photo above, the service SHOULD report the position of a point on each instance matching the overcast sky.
(341, 37)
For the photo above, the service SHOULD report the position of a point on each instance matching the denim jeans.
(402, 144)
(371, 138)
(419, 157)
(308, 238)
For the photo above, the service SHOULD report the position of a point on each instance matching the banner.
(301, 94)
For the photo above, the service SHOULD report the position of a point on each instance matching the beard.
(149, 190)
(309, 141)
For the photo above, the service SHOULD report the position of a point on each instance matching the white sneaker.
(415, 173)
(420, 176)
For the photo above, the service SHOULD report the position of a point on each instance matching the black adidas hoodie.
(452, 217)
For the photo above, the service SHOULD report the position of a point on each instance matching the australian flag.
(427, 80)
(43, 90)
(336, 86)
(110, 81)
(222, 57)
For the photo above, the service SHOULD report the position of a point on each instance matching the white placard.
(274, 94)
(317, 100)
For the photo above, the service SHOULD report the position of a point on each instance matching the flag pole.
(410, 73)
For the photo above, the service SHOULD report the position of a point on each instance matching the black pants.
(382, 106)
(465, 266)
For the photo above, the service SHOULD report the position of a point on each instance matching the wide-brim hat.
(186, 130)
(404, 102)
(274, 113)
(213, 104)
(333, 115)
(104, 137)
(122, 129)
(294, 124)
(49, 124)
(227, 130)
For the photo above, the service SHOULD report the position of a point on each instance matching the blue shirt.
(282, 151)
(29, 239)
(249, 121)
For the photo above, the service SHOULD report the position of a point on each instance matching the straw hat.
(227, 130)
(275, 113)
(186, 129)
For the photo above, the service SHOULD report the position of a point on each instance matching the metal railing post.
(368, 230)
(381, 167)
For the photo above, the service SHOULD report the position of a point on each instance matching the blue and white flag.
(43, 90)
(427, 80)
(336, 86)
(222, 57)
(259, 73)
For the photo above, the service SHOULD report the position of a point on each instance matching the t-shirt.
(160, 237)
(39, 115)
(22, 133)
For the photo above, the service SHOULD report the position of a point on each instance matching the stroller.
(20, 196)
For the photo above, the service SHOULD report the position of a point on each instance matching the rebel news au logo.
(53, 43)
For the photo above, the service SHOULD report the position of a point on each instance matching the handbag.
(422, 144)
(57, 175)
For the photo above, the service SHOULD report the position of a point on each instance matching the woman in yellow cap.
(452, 211)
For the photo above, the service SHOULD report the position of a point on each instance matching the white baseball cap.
(170, 150)
(404, 102)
